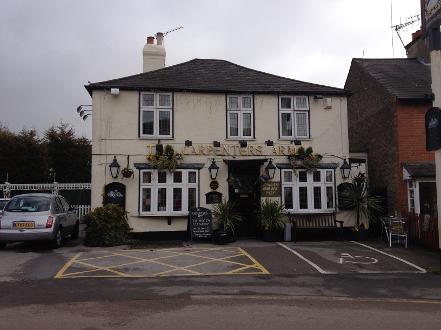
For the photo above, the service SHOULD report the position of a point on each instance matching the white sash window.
(156, 115)
(294, 117)
(240, 116)
(308, 192)
(168, 193)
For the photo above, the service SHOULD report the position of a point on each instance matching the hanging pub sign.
(270, 189)
(200, 223)
(433, 129)
(115, 193)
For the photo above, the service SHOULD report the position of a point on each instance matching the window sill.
(292, 139)
(240, 139)
(156, 138)
(157, 215)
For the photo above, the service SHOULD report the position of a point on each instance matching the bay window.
(156, 115)
(168, 193)
(240, 116)
(308, 192)
(293, 117)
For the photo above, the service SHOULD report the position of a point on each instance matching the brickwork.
(411, 141)
(372, 129)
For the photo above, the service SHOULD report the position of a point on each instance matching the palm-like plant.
(271, 212)
(226, 217)
(358, 199)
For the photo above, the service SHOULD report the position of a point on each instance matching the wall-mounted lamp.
(297, 142)
(114, 168)
(270, 169)
(213, 169)
(345, 169)
(216, 144)
(188, 143)
(269, 143)
(243, 143)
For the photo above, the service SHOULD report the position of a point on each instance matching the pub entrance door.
(244, 192)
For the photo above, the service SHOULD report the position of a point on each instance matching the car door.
(71, 214)
(60, 213)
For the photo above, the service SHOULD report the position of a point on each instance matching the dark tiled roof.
(406, 78)
(201, 75)
(420, 170)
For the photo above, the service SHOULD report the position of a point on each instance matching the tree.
(69, 156)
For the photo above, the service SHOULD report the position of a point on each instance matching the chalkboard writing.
(200, 223)
(433, 129)
(115, 193)
(270, 189)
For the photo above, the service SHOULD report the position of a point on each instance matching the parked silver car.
(36, 217)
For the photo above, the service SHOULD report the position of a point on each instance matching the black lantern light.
(270, 169)
(213, 170)
(345, 169)
(114, 168)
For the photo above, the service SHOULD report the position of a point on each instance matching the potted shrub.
(271, 220)
(226, 220)
(106, 226)
(165, 160)
(357, 198)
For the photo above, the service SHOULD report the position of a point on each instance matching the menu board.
(200, 223)
(270, 189)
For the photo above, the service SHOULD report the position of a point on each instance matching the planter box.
(221, 237)
(271, 236)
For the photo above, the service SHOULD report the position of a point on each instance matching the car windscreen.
(28, 204)
(2, 204)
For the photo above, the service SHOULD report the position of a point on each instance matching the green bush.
(106, 226)
(271, 213)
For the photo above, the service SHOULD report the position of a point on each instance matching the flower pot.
(360, 235)
(127, 173)
(271, 236)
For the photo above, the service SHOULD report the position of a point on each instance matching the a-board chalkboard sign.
(200, 223)
(433, 129)
(115, 193)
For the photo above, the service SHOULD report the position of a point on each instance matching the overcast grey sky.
(50, 49)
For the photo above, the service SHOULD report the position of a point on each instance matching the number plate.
(24, 224)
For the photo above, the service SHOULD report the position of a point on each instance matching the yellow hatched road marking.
(67, 265)
(174, 252)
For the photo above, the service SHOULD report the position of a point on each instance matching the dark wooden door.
(244, 192)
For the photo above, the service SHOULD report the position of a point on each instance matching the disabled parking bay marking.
(347, 258)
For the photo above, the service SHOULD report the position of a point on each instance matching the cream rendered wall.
(201, 118)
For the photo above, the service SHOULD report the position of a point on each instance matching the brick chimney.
(154, 54)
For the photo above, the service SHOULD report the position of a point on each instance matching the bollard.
(287, 235)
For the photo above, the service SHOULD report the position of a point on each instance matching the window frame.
(294, 111)
(240, 111)
(169, 185)
(156, 109)
(295, 185)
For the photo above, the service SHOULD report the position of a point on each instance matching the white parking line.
(320, 270)
(421, 270)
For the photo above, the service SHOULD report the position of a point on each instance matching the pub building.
(226, 129)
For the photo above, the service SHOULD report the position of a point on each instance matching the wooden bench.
(314, 221)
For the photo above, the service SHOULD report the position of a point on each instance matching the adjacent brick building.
(386, 120)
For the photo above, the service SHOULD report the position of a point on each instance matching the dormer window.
(156, 115)
(293, 117)
(240, 116)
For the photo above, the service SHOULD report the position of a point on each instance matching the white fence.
(82, 210)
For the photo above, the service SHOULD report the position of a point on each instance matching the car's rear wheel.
(58, 239)
(76, 231)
